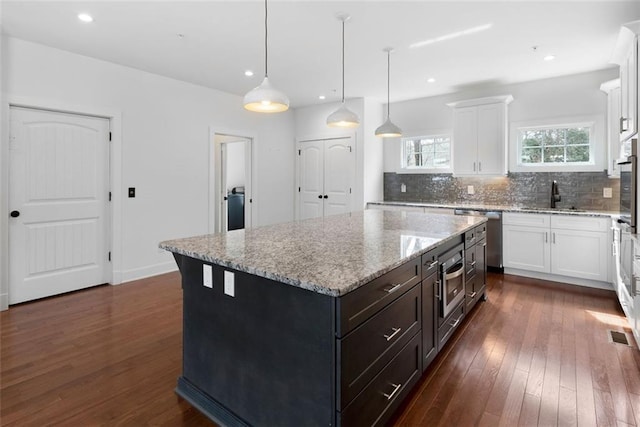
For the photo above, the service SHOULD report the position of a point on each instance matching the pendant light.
(343, 117)
(266, 98)
(388, 129)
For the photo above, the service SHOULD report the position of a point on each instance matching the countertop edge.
(515, 209)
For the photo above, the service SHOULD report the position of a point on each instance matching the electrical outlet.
(207, 276)
(230, 283)
(607, 192)
(403, 188)
(470, 189)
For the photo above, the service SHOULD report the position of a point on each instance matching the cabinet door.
(465, 140)
(311, 179)
(628, 95)
(526, 248)
(429, 343)
(338, 170)
(491, 134)
(580, 254)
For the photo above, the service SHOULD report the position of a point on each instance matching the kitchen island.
(326, 321)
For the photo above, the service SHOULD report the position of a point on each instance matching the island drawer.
(377, 402)
(449, 326)
(356, 307)
(430, 262)
(368, 348)
(481, 232)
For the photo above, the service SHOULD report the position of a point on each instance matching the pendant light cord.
(265, 39)
(343, 61)
(388, 83)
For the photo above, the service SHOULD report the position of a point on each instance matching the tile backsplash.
(581, 190)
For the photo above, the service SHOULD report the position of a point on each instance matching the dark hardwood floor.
(536, 353)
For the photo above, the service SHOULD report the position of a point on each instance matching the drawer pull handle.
(396, 331)
(396, 387)
(393, 288)
(472, 264)
(454, 324)
(438, 295)
(433, 264)
(473, 295)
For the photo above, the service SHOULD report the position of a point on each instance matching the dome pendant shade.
(266, 99)
(343, 118)
(388, 130)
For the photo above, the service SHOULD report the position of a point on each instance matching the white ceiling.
(224, 38)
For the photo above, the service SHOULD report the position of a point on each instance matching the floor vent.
(618, 337)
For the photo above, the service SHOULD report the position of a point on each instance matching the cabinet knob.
(15, 214)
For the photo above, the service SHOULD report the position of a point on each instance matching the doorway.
(232, 182)
(59, 203)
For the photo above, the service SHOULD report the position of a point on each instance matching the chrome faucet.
(555, 194)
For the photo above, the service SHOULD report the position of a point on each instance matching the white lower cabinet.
(572, 246)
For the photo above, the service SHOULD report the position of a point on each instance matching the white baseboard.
(143, 272)
(562, 279)
(4, 302)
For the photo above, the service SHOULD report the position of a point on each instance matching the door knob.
(15, 214)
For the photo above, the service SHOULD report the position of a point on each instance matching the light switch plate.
(230, 283)
(607, 192)
(207, 276)
(403, 188)
(470, 189)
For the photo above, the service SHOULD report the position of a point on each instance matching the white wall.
(311, 123)
(569, 96)
(164, 141)
(235, 164)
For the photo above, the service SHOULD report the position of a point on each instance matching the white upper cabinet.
(616, 151)
(480, 136)
(626, 56)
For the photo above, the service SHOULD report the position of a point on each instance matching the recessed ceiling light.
(431, 80)
(322, 97)
(549, 58)
(85, 17)
(248, 73)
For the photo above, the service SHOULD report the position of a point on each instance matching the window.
(426, 152)
(556, 145)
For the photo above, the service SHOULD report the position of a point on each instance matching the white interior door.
(311, 181)
(58, 198)
(338, 170)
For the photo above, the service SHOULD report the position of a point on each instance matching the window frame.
(597, 145)
(421, 169)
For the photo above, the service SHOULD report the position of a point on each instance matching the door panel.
(326, 168)
(580, 254)
(59, 184)
(465, 140)
(337, 176)
(311, 179)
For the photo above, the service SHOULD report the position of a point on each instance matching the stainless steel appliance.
(451, 289)
(628, 187)
(624, 259)
(494, 235)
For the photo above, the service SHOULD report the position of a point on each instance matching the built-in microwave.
(628, 188)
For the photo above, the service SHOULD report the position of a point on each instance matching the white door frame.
(114, 225)
(215, 165)
(320, 137)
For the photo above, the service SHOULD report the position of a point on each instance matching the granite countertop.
(503, 208)
(332, 255)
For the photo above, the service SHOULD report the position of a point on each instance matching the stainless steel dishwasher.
(494, 235)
